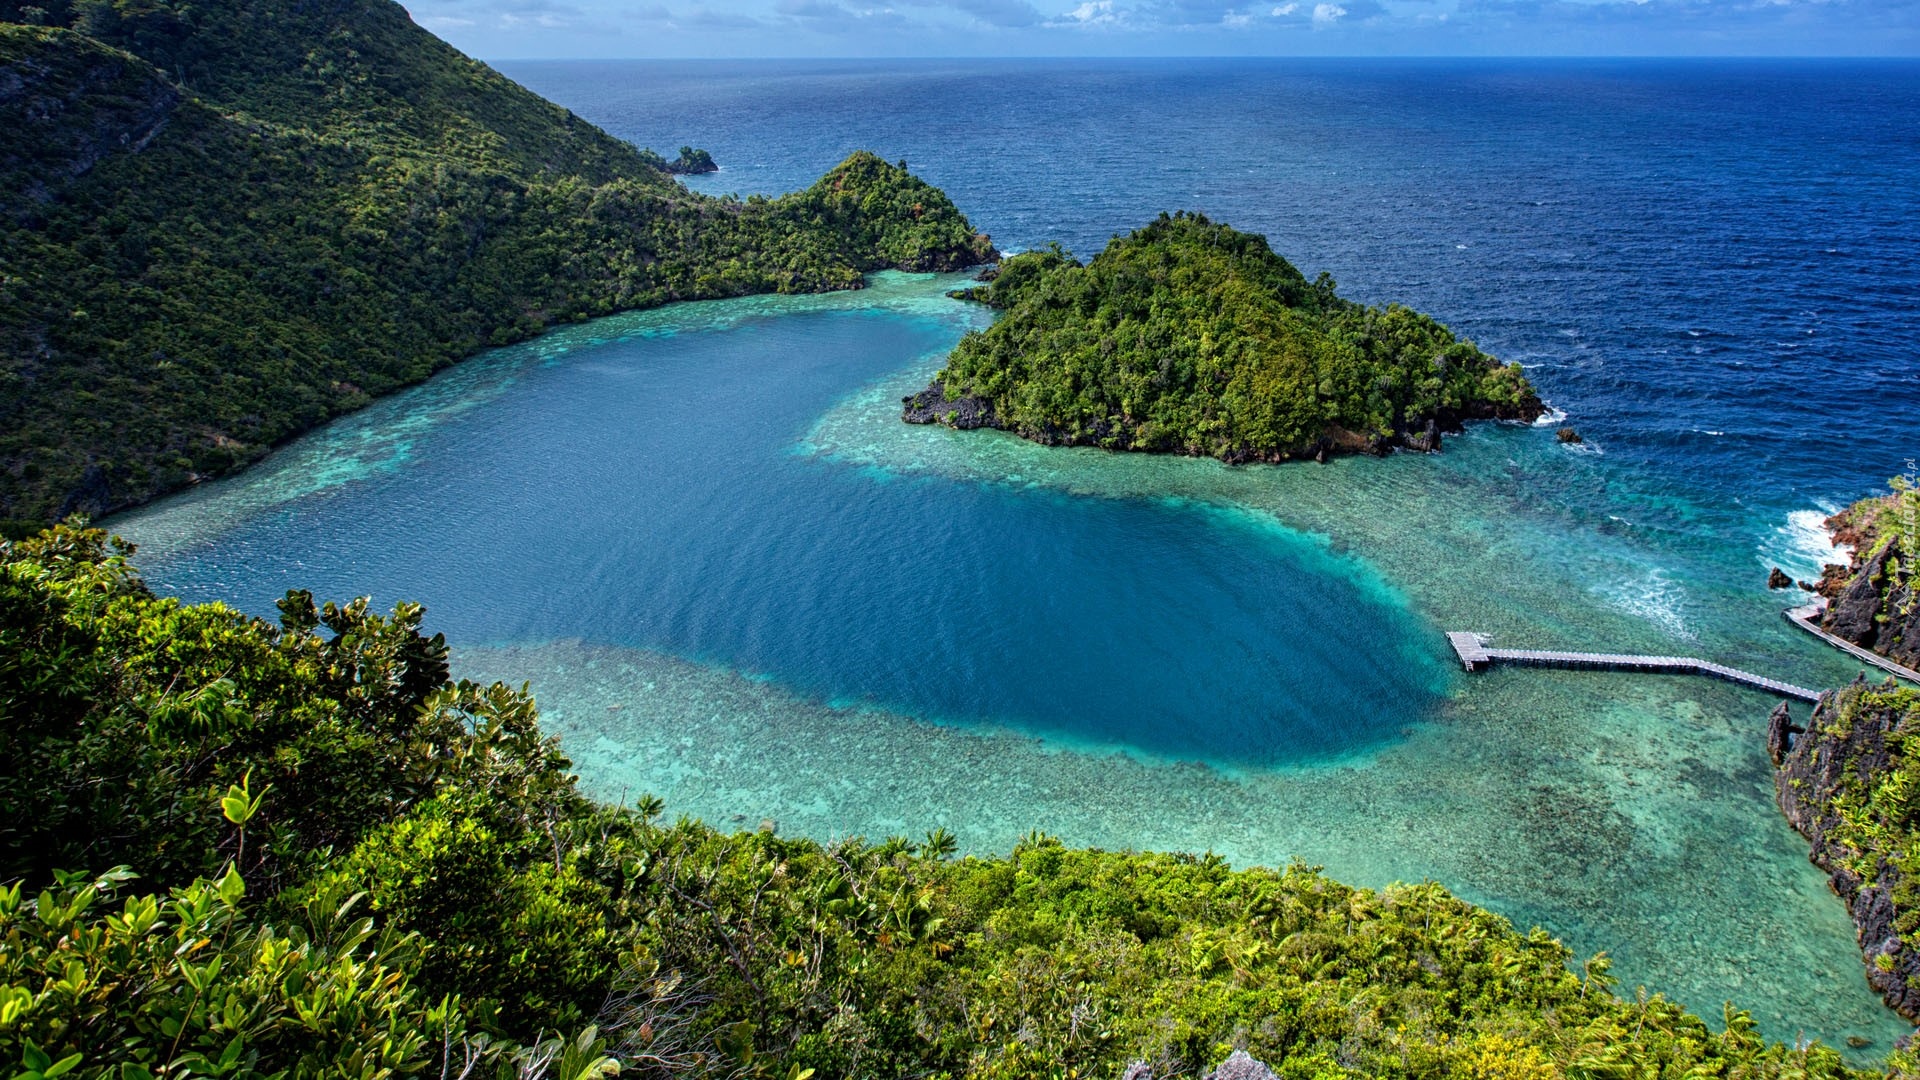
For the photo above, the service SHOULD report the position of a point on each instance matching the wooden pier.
(1476, 656)
(1808, 619)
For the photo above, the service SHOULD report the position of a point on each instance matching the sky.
(562, 29)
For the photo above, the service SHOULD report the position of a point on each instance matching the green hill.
(1190, 337)
(348, 866)
(222, 224)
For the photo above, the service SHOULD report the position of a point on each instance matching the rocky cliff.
(1842, 782)
(1871, 600)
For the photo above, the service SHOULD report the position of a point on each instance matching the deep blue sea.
(735, 579)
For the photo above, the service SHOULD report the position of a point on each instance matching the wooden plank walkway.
(1476, 656)
(1808, 618)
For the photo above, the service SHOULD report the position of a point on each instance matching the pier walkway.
(1808, 619)
(1476, 656)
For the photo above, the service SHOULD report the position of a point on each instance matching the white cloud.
(1327, 14)
(1235, 20)
(1285, 10)
(1090, 13)
(445, 22)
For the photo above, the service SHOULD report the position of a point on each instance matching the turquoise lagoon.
(736, 580)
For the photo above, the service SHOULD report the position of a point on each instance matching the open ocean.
(736, 580)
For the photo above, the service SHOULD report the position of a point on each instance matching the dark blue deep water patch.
(700, 546)
(646, 493)
(1714, 264)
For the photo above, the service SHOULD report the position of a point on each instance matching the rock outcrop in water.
(930, 406)
(692, 162)
(1840, 781)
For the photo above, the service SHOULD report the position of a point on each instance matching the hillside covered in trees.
(236, 849)
(224, 223)
(1190, 337)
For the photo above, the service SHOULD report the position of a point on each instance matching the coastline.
(94, 495)
(1852, 737)
(970, 413)
(1538, 795)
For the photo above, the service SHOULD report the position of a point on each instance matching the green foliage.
(1872, 810)
(183, 984)
(509, 914)
(222, 224)
(1896, 522)
(1191, 337)
(130, 724)
(193, 984)
(438, 900)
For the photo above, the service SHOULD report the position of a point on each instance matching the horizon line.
(1186, 58)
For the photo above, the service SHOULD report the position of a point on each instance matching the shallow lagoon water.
(651, 490)
(736, 580)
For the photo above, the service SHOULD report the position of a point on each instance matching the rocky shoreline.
(1841, 779)
(968, 412)
(1850, 742)
(1871, 600)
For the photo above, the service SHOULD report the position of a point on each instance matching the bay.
(736, 580)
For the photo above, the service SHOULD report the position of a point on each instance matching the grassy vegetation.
(222, 224)
(1191, 337)
(244, 850)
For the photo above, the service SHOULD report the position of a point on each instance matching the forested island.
(237, 849)
(1846, 779)
(222, 224)
(1190, 337)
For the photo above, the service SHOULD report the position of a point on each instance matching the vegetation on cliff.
(1188, 336)
(1847, 782)
(244, 850)
(691, 162)
(222, 224)
(1846, 779)
(1871, 600)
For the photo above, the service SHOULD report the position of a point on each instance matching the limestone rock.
(1241, 1065)
(1426, 440)
(1780, 732)
(1851, 614)
(1827, 756)
(930, 406)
